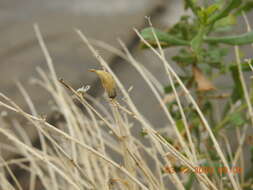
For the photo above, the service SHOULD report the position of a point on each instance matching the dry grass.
(80, 153)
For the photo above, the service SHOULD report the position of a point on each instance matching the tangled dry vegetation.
(93, 148)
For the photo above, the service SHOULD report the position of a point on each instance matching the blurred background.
(104, 20)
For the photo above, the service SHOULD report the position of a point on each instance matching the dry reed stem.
(216, 144)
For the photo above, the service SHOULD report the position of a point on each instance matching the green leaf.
(237, 90)
(245, 66)
(204, 13)
(184, 29)
(197, 41)
(191, 4)
(246, 7)
(164, 38)
(184, 57)
(168, 89)
(232, 4)
(242, 39)
(180, 125)
(211, 9)
(202, 16)
(214, 56)
(225, 22)
(237, 119)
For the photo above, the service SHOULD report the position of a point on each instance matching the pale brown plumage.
(107, 81)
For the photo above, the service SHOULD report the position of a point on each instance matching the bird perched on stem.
(107, 81)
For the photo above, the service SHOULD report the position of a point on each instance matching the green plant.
(204, 40)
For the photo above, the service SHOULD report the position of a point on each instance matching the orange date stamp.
(204, 170)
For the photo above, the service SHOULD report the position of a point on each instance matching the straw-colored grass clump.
(81, 152)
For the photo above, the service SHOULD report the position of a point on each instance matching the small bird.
(107, 81)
